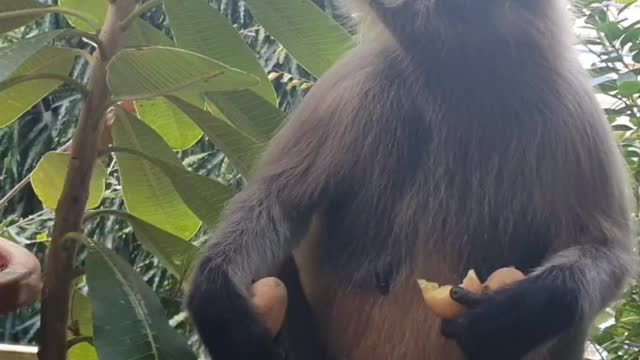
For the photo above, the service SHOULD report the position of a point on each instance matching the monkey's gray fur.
(460, 134)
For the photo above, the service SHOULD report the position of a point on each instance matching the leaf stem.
(124, 24)
(45, 76)
(52, 9)
(79, 339)
(92, 38)
(103, 212)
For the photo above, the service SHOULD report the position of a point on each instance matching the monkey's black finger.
(466, 297)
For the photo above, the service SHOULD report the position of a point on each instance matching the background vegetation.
(134, 205)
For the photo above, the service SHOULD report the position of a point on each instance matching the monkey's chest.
(368, 246)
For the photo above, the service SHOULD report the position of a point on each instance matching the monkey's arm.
(262, 224)
(565, 293)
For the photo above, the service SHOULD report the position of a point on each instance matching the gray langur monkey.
(459, 134)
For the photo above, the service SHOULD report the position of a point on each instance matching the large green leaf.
(48, 180)
(96, 9)
(174, 253)
(308, 33)
(197, 27)
(13, 56)
(147, 192)
(239, 148)
(15, 5)
(21, 97)
(204, 196)
(154, 71)
(250, 113)
(169, 121)
(141, 34)
(129, 320)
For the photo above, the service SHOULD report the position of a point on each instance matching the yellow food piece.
(471, 282)
(438, 298)
(502, 277)
(439, 301)
(269, 301)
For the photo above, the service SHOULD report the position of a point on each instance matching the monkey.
(456, 135)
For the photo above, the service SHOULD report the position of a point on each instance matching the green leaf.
(141, 34)
(147, 192)
(239, 148)
(82, 351)
(129, 320)
(621, 127)
(49, 175)
(175, 254)
(248, 112)
(308, 33)
(630, 36)
(81, 316)
(204, 196)
(13, 56)
(95, 9)
(15, 5)
(169, 121)
(629, 88)
(198, 27)
(155, 71)
(21, 97)
(611, 30)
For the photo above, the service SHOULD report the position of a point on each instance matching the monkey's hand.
(509, 323)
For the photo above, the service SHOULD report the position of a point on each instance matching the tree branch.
(56, 291)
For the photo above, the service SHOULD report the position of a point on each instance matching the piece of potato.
(472, 283)
(438, 298)
(502, 277)
(269, 300)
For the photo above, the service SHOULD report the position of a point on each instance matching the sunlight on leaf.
(95, 9)
(49, 175)
(147, 192)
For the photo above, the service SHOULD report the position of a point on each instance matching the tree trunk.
(72, 204)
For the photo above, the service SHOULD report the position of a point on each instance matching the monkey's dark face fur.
(460, 134)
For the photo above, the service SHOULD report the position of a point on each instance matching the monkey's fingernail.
(456, 292)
